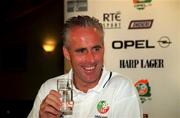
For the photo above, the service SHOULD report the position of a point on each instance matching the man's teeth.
(89, 68)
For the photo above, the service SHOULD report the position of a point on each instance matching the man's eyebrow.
(97, 46)
(80, 49)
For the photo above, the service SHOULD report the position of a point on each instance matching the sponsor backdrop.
(142, 40)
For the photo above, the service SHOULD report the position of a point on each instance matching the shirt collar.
(103, 80)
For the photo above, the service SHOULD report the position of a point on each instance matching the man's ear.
(66, 53)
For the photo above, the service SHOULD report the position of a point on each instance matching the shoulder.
(115, 76)
(115, 79)
(121, 83)
(120, 78)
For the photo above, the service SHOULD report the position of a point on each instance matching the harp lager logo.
(141, 4)
(103, 107)
(144, 90)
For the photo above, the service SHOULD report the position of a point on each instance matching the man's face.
(86, 53)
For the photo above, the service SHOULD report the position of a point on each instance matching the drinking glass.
(65, 88)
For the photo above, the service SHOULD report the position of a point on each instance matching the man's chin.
(90, 79)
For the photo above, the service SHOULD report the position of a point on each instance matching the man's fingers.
(49, 101)
(53, 100)
(55, 93)
(51, 110)
(51, 105)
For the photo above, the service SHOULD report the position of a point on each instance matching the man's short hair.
(82, 21)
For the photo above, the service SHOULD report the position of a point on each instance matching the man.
(97, 92)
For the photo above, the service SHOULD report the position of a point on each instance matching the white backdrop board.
(142, 40)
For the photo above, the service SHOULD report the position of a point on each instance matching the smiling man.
(85, 50)
(97, 92)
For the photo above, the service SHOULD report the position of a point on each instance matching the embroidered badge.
(103, 107)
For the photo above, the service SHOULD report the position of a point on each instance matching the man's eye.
(80, 51)
(96, 49)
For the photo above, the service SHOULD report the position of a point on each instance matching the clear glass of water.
(65, 88)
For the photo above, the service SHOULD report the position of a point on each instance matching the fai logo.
(103, 107)
(141, 4)
(144, 90)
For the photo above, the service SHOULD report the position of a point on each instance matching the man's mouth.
(90, 68)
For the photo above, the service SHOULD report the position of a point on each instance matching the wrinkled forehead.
(84, 27)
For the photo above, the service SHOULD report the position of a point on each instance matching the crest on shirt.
(103, 107)
(144, 90)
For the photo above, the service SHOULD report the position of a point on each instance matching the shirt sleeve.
(38, 100)
(35, 110)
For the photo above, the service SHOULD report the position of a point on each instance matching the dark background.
(24, 65)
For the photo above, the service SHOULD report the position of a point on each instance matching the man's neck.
(84, 86)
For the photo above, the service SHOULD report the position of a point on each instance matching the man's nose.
(90, 57)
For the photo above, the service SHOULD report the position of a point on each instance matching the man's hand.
(50, 107)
